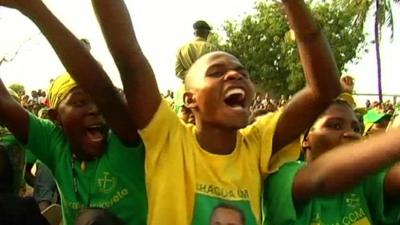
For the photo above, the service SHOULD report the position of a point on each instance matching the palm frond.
(390, 19)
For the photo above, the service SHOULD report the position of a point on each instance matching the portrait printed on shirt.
(222, 207)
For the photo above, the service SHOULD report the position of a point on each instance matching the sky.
(161, 27)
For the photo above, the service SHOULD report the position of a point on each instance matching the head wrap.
(59, 89)
(13, 94)
(347, 97)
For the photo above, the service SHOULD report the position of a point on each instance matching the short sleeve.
(263, 130)
(382, 209)
(42, 134)
(278, 198)
(30, 157)
(120, 152)
(164, 123)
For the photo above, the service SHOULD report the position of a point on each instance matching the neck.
(216, 140)
(308, 157)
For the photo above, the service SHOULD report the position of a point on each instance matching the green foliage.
(385, 16)
(215, 39)
(262, 42)
(18, 88)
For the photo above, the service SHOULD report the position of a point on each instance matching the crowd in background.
(212, 152)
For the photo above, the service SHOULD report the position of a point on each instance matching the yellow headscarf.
(347, 97)
(13, 94)
(59, 89)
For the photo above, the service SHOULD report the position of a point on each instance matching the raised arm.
(320, 71)
(136, 73)
(13, 115)
(338, 170)
(85, 70)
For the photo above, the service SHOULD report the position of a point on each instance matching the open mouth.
(95, 133)
(235, 98)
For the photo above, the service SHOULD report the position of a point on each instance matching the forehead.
(223, 212)
(340, 108)
(337, 111)
(209, 61)
(215, 58)
(76, 91)
(73, 93)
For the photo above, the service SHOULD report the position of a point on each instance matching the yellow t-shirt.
(185, 183)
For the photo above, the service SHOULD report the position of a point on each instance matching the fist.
(347, 83)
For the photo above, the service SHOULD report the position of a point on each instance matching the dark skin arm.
(85, 70)
(319, 65)
(13, 115)
(320, 72)
(341, 168)
(133, 66)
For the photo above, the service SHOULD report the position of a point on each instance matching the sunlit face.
(83, 124)
(337, 126)
(225, 216)
(222, 91)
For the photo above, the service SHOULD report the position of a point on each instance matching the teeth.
(94, 133)
(234, 91)
(237, 107)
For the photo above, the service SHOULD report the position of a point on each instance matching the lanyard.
(75, 182)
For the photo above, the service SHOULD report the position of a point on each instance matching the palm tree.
(383, 18)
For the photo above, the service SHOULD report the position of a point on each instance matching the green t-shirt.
(364, 204)
(114, 181)
(30, 157)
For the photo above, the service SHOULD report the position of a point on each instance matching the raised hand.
(347, 83)
(12, 3)
(7, 3)
(19, 4)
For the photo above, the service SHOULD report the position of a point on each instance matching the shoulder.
(36, 122)
(114, 142)
(262, 123)
(290, 167)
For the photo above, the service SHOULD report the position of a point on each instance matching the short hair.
(231, 207)
(193, 70)
(192, 73)
(201, 24)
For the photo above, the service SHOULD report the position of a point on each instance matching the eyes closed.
(220, 70)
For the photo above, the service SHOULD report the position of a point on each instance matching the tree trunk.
(377, 48)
